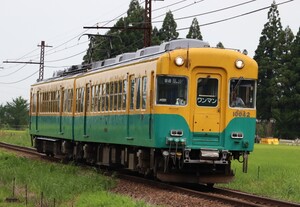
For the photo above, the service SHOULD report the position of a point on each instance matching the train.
(180, 111)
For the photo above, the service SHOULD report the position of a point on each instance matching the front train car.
(181, 111)
(204, 113)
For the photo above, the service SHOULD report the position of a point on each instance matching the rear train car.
(181, 111)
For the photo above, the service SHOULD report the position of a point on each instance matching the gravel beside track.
(164, 197)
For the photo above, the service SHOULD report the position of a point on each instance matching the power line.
(195, 2)
(65, 57)
(237, 16)
(21, 79)
(13, 72)
(214, 11)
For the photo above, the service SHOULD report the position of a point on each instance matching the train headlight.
(239, 64)
(179, 61)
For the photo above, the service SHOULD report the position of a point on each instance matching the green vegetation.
(14, 115)
(273, 172)
(68, 185)
(15, 137)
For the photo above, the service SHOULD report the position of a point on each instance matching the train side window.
(124, 99)
(88, 100)
(34, 102)
(79, 99)
(57, 101)
(66, 97)
(40, 102)
(111, 98)
(107, 100)
(70, 100)
(132, 85)
(171, 90)
(138, 93)
(93, 104)
(99, 97)
(103, 96)
(207, 92)
(120, 90)
(144, 92)
(115, 104)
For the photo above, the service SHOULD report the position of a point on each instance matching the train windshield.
(207, 92)
(242, 93)
(171, 90)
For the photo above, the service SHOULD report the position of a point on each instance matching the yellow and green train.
(180, 111)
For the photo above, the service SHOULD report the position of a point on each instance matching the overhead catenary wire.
(1, 76)
(191, 4)
(66, 57)
(21, 79)
(211, 12)
(236, 16)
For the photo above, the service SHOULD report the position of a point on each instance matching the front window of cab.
(171, 90)
(207, 92)
(242, 93)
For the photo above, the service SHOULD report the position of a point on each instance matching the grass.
(272, 172)
(15, 137)
(66, 184)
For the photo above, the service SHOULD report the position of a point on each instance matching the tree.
(155, 37)
(168, 30)
(268, 56)
(16, 113)
(119, 41)
(220, 45)
(194, 31)
(2, 112)
(288, 111)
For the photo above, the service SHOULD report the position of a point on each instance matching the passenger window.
(115, 106)
(88, 100)
(144, 92)
(125, 88)
(34, 102)
(120, 90)
(132, 85)
(111, 96)
(138, 93)
(207, 92)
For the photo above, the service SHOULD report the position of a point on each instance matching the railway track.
(225, 196)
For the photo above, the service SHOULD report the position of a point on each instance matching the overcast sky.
(25, 23)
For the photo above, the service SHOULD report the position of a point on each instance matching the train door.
(86, 109)
(37, 111)
(130, 105)
(207, 110)
(60, 105)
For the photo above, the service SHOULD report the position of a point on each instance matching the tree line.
(277, 55)
(14, 115)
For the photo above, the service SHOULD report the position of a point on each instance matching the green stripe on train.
(143, 130)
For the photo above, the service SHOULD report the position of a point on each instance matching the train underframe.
(187, 166)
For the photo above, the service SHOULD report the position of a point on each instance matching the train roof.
(141, 54)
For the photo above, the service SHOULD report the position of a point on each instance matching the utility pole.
(147, 21)
(41, 63)
(42, 56)
(147, 25)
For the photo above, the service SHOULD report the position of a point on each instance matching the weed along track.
(158, 193)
